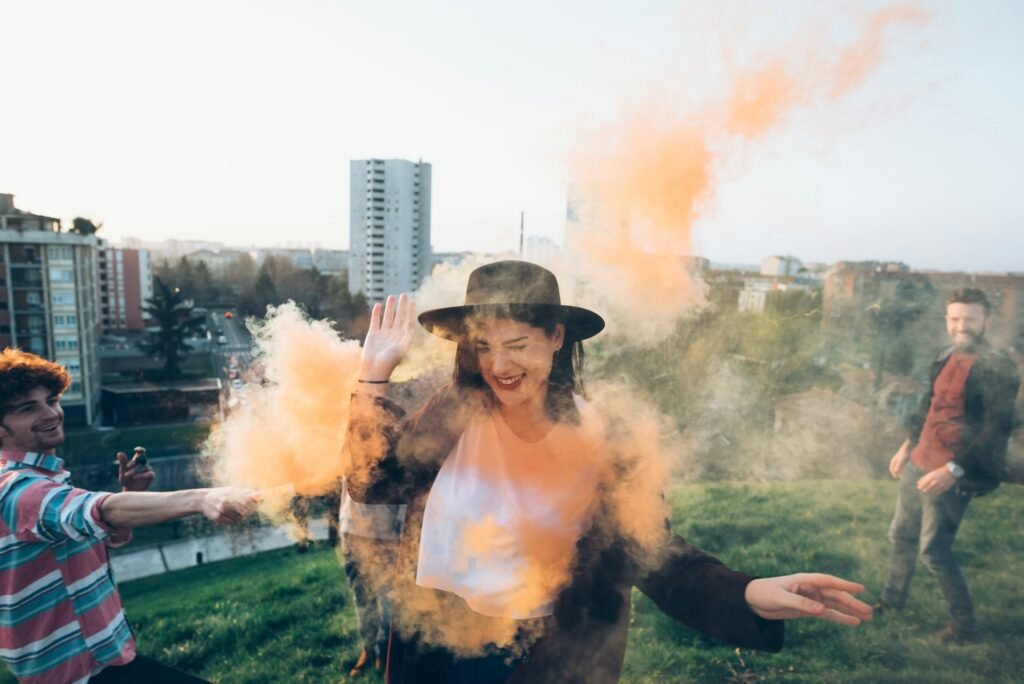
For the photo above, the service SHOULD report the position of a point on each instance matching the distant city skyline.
(184, 121)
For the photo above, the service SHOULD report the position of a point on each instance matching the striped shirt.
(61, 618)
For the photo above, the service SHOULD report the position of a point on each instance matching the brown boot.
(955, 634)
(361, 663)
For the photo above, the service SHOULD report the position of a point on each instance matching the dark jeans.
(369, 567)
(927, 524)
(145, 670)
(442, 666)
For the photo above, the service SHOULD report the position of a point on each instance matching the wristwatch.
(957, 471)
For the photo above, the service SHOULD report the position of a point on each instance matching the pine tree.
(172, 312)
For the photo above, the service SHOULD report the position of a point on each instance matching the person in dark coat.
(521, 544)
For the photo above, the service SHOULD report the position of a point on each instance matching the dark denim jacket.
(989, 396)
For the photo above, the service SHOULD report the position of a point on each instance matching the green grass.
(278, 617)
(287, 617)
(840, 528)
(97, 447)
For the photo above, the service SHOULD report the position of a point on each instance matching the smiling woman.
(515, 562)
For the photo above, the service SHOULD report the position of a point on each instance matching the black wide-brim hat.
(506, 286)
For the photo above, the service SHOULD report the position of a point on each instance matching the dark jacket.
(989, 395)
(585, 639)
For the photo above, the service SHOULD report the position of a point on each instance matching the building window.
(62, 275)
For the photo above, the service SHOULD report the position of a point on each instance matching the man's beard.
(971, 339)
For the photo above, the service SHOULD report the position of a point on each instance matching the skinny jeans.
(926, 525)
(369, 566)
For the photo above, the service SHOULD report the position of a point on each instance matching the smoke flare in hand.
(286, 434)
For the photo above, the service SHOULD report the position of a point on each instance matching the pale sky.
(234, 120)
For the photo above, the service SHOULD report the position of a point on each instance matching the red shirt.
(942, 435)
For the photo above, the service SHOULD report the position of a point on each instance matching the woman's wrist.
(372, 390)
(371, 374)
(373, 381)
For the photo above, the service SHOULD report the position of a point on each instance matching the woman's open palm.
(388, 338)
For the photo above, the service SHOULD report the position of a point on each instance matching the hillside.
(286, 617)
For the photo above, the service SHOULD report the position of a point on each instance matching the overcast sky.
(234, 120)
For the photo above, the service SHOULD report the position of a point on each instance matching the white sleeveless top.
(503, 516)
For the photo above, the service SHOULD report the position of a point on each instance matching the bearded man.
(956, 450)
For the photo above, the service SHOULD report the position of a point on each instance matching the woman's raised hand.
(388, 338)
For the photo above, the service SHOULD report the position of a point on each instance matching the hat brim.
(450, 322)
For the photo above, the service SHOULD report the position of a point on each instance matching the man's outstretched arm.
(139, 509)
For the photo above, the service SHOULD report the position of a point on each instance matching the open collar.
(33, 458)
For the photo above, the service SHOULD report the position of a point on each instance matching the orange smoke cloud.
(640, 186)
(641, 182)
(286, 435)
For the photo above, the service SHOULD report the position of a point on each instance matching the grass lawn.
(286, 617)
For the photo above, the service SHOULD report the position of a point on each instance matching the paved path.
(186, 553)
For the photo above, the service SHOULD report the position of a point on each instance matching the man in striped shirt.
(61, 618)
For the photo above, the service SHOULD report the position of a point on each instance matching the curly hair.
(22, 372)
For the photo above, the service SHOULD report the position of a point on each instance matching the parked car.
(222, 340)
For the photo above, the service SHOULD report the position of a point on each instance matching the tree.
(164, 271)
(172, 312)
(890, 315)
(83, 226)
(357, 312)
(184, 278)
(265, 289)
(240, 274)
(203, 288)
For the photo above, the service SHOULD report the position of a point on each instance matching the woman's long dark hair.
(566, 368)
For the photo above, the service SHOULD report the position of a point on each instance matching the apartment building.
(126, 282)
(49, 301)
(389, 226)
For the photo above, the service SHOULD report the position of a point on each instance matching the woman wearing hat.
(517, 558)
